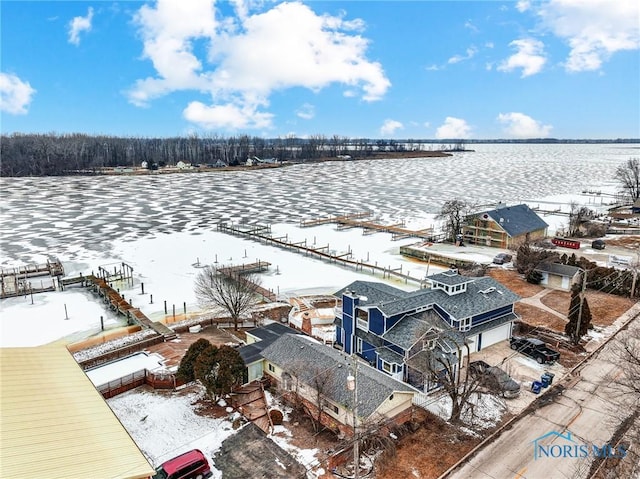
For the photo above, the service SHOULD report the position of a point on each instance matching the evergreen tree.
(206, 369)
(231, 370)
(185, 370)
(577, 313)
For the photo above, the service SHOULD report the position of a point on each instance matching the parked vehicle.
(598, 244)
(566, 243)
(495, 379)
(502, 258)
(190, 465)
(534, 348)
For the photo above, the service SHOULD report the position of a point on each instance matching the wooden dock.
(263, 233)
(237, 273)
(16, 281)
(120, 305)
(358, 220)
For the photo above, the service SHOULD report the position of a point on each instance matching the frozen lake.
(162, 225)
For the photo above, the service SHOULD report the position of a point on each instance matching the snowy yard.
(165, 424)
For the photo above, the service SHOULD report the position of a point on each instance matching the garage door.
(496, 335)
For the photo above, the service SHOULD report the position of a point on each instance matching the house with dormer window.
(398, 332)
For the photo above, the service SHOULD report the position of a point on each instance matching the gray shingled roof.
(461, 305)
(412, 327)
(374, 387)
(559, 269)
(267, 334)
(450, 278)
(374, 292)
(517, 220)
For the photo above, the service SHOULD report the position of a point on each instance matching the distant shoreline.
(138, 171)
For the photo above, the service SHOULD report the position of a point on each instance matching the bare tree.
(628, 174)
(627, 407)
(234, 293)
(578, 215)
(446, 369)
(454, 213)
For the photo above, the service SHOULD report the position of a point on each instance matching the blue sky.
(374, 69)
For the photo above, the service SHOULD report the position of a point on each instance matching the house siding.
(376, 321)
(488, 316)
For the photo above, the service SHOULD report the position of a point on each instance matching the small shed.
(558, 276)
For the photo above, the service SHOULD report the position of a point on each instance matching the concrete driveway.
(521, 368)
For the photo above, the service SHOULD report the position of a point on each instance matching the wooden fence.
(156, 380)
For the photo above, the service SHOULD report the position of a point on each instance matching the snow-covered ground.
(164, 425)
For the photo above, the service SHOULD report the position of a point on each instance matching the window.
(271, 368)
(358, 345)
(465, 324)
(363, 319)
(390, 368)
(331, 408)
(429, 343)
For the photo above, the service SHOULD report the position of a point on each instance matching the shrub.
(276, 417)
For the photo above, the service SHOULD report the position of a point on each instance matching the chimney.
(306, 323)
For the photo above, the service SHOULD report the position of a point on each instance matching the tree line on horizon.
(55, 155)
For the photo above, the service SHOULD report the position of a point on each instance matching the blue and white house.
(398, 331)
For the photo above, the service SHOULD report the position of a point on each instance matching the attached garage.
(493, 336)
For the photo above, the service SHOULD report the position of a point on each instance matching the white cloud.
(529, 56)
(15, 94)
(594, 29)
(519, 125)
(78, 25)
(453, 128)
(523, 5)
(226, 116)
(389, 127)
(306, 111)
(251, 55)
(471, 51)
(469, 25)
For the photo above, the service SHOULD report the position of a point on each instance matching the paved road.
(584, 409)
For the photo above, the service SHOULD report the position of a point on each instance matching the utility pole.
(582, 292)
(352, 384)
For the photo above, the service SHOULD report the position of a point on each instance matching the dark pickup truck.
(534, 348)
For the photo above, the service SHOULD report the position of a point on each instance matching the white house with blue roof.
(398, 331)
(505, 227)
